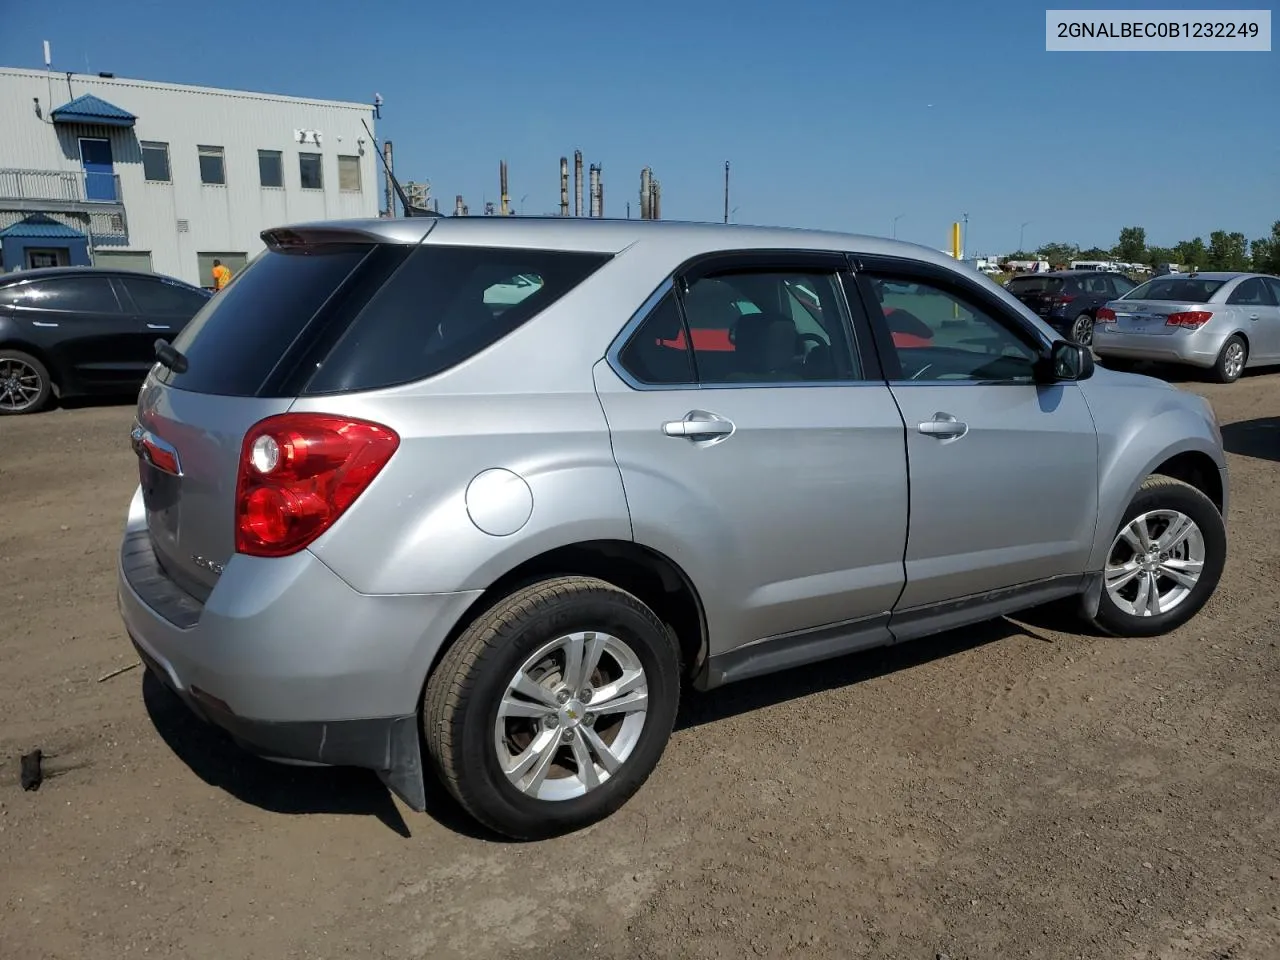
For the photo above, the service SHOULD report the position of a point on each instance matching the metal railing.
(62, 185)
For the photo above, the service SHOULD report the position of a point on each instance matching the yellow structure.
(955, 240)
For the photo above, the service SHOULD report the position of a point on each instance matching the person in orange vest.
(221, 275)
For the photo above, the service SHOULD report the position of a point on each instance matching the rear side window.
(243, 331)
(442, 306)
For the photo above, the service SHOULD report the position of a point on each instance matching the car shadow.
(93, 401)
(279, 788)
(1258, 438)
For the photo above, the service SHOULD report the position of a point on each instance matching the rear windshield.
(1178, 290)
(238, 337)
(1034, 285)
(335, 318)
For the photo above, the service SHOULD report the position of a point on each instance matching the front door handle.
(699, 425)
(1253, 316)
(944, 426)
(158, 326)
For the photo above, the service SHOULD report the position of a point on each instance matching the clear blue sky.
(822, 108)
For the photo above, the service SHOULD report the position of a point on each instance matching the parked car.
(1068, 300)
(378, 505)
(84, 330)
(1221, 322)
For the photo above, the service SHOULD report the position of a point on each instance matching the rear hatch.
(1037, 293)
(321, 312)
(1164, 306)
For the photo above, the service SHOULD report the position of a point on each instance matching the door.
(159, 309)
(99, 170)
(1258, 316)
(1004, 471)
(90, 334)
(765, 459)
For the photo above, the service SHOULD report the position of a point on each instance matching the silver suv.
(500, 488)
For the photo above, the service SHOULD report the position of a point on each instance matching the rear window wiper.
(169, 357)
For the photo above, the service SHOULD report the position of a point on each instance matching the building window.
(349, 174)
(212, 168)
(310, 170)
(271, 168)
(155, 161)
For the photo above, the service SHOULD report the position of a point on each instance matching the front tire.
(1231, 360)
(1165, 561)
(553, 707)
(25, 386)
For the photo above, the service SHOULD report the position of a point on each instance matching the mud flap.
(1091, 597)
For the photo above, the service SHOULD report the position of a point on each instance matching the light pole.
(895, 224)
(1022, 234)
(964, 236)
(726, 191)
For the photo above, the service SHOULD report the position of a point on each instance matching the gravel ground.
(1013, 790)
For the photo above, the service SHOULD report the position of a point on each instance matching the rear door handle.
(1253, 316)
(158, 326)
(944, 426)
(699, 425)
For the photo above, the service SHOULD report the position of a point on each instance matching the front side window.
(310, 171)
(213, 168)
(157, 296)
(941, 335)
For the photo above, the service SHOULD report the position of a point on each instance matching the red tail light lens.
(298, 473)
(1106, 315)
(1192, 319)
(1062, 299)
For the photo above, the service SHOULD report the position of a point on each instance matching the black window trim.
(921, 271)
(856, 328)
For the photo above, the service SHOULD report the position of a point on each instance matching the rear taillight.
(298, 473)
(1192, 319)
(1106, 315)
(1061, 299)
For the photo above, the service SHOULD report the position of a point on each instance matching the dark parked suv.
(84, 330)
(1068, 300)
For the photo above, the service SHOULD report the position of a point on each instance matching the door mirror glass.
(1069, 361)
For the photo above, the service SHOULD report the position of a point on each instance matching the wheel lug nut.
(585, 695)
(563, 696)
(567, 736)
(550, 721)
(589, 719)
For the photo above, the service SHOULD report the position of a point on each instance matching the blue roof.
(91, 109)
(38, 226)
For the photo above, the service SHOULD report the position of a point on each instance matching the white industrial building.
(165, 177)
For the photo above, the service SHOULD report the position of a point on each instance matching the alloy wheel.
(20, 385)
(1155, 562)
(1082, 330)
(571, 716)
(1233, 361)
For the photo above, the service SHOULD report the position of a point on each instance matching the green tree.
(1191, 253)
(1266, 252)
(1228, 251)
(1159, 255)
(1058, 252)
(1132, 247)
(1094, 253)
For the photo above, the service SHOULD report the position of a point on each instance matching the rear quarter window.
(443, 305)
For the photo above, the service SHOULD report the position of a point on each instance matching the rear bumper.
(289, 659)
(1182, 347)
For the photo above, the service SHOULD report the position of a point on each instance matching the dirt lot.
(1003, 792)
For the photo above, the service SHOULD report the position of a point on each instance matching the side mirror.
(1066, 361)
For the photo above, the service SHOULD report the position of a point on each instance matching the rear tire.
(1231, 360)
(1082, 330)
(1190, 539)
(25, 386)
(558, 739)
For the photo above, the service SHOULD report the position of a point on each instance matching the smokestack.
(459, 208)
(655, 205)
(391, 200)
(502, 183)
(564, 186)
(593, 186)
(577, 183)
(646, 193)
(600, 190)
